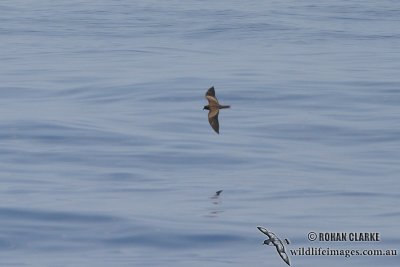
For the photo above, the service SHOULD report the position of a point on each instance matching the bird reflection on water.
(215, 210)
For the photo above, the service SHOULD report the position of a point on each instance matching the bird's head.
(206, 107)
(267, 242)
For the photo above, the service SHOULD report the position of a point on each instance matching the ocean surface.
(107, 158)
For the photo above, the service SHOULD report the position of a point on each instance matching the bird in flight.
(217, 194)
(213, 107)
(274, 240)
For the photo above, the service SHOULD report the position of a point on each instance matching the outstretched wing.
(211, 91)
(284, 257)
(213, 119)
(212, 99)
(280, 248)
(265, 231)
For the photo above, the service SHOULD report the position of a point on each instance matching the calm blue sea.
(107, 158)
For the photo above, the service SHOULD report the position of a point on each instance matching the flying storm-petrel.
(213, 107)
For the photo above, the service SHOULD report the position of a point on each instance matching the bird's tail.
(221, 106)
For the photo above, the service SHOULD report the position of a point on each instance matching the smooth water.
(107, 159)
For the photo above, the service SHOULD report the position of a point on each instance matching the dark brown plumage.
(213, 107)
